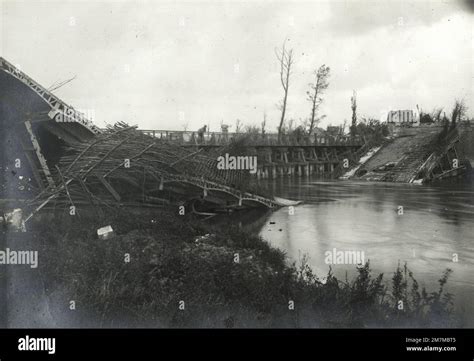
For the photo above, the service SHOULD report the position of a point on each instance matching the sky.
(176, 64)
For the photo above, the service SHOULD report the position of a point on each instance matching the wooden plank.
(36, 174)
(92, 144)
(32, 163)
(52, 196)
(103, 158)
(39, 155)
(109, 187)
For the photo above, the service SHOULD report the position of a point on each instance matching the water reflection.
(437, 222)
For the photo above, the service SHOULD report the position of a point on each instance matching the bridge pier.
(276, 161)
(281, 171)
(298, 169)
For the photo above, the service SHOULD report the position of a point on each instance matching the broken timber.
(71, 160)
(103, 164)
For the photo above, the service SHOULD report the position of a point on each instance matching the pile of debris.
(124, 165)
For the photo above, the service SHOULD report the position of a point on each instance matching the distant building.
(403, 117)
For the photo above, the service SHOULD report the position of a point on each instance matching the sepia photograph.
(237, 164)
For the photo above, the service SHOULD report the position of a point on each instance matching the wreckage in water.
(55, 154)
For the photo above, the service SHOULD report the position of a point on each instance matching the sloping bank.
(163, 270)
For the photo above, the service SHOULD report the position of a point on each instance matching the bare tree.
(285, 57)
(316, 91)
(344, 126)
(354, 113)
(264, 123)
(185, 126)
(436, 114)
(238, 125)
(291, 122)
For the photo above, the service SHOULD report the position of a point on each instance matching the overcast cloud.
(148, 62)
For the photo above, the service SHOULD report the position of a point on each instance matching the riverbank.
(165, 270)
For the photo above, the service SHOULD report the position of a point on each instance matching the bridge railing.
(223, 138)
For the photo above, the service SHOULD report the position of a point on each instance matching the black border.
(313, 344)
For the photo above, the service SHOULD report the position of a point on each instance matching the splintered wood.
(123, 164)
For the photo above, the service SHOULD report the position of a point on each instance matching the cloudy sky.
(163, 64)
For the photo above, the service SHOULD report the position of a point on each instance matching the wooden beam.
(27, 152)
(326, 155)
(109, 187)
(39, 155)
(36, 174)
(52, 196)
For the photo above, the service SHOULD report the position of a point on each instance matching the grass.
(175, 259)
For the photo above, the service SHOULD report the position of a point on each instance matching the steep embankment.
(400, 159)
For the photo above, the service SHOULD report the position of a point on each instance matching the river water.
(435, 223)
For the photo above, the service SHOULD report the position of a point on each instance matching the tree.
(238, 125)
(316, 91)
(436, 114)
(459, 111)
(426, 118)
(252, 129)
(298, 134)
(291, 122)
(264, 123)
(354, 113)
(285, 57)
(344, 126)
(372, 129)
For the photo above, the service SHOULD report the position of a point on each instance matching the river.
(435, 224)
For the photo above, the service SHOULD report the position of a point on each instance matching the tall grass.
(170, 262)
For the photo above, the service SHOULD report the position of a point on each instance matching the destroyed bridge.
(53, 153)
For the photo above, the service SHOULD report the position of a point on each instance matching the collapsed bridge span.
(122, 165)
(52, 152)
(418, 155)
